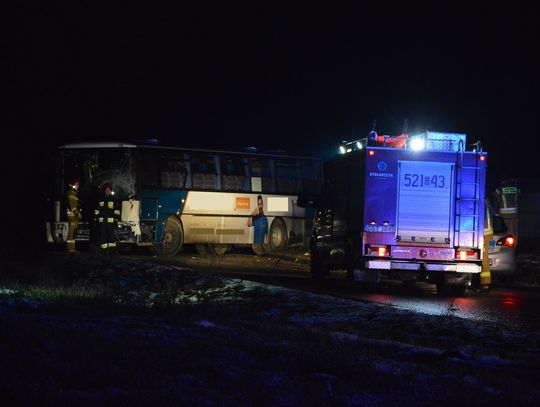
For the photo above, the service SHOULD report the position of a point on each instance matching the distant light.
(342, 150)
(482, 158)
(371, 152)
(112, 192)
(418, 144)
(349, 150)
(359, 145)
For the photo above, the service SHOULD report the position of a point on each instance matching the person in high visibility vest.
(107, 214)
(485, 274)
(506, 196)
(73, 214)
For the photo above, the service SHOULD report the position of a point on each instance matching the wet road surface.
(508, 306)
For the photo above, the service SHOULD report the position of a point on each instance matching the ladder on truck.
(467, 203)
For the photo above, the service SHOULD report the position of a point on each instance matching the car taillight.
(377, 250)
(463, 254)
(507, 241)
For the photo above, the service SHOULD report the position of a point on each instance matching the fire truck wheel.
(318, 270)
(173, 238)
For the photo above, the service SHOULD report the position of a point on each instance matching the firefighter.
(506, 196)
(73, 213)
(107, 213)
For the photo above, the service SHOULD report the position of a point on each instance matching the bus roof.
(162, 147)
(99, 145)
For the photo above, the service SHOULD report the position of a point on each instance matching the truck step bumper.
(415, 266)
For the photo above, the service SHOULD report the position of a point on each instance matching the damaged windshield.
(94, 167)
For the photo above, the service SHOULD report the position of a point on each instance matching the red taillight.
(507, 241)
(377, 250)
(463, 254)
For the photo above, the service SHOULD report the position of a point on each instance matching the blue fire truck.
(409, 208)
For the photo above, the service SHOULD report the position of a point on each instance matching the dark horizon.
(299, 80)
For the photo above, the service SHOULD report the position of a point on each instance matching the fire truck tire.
(318, 269)
(173, 238)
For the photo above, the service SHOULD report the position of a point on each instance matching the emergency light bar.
(437, 141)
(430, 140)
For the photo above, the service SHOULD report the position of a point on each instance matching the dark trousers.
(106, 236)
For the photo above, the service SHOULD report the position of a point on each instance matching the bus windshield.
(96, 166)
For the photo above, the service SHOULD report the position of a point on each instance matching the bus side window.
(232, 169)
(204, 172)
(261, 175)
(172, 171)
(149, 178)
(287, 177)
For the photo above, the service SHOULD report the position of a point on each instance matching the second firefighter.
(107, 214)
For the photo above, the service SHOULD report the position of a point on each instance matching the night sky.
(294, 78)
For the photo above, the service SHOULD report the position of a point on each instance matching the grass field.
(89, 329)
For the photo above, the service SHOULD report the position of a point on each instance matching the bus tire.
(203, 248)
(173, 238)
(258, 249)
(220, 249)
(277, 238)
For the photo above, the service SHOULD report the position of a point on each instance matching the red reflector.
(466, 254)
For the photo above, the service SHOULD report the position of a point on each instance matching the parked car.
(502, 250)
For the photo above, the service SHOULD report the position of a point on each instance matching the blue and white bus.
(174, 196)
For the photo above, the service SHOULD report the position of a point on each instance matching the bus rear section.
(411, 210)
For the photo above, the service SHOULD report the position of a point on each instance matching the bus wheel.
(277, 238)
(203, 248)
(220, 249)
(208, 248)
(258, 249)
(173, 238)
